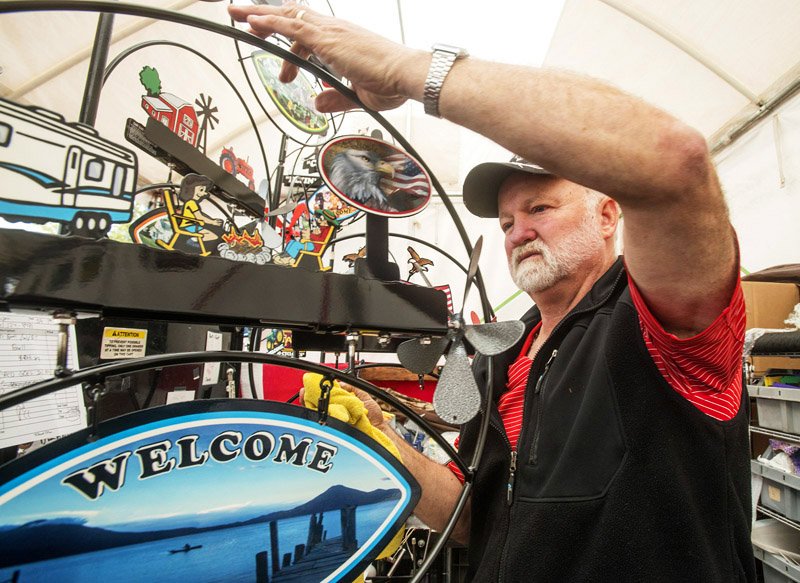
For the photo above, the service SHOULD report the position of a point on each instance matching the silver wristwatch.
(442, 61)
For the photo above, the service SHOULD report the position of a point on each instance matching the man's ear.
(609, 216)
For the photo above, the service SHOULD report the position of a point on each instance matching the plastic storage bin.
(776, 569)
(780, 491)
(778, 408)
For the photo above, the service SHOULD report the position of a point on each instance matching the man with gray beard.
(618, 443)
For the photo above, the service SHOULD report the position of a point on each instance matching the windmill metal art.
(208, 119)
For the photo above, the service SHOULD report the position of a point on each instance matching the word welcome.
(162, 457)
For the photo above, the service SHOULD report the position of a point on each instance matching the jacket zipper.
(513, 467)
(599, 302)
(512, 471)
(539, 391)
(509, 501)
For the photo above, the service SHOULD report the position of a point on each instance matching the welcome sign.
(219, 490)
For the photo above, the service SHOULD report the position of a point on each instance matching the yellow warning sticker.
(121, 343)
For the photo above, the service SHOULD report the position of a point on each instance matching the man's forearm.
(575, 126)
(440, 488)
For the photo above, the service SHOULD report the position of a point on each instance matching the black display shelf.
(48, 272)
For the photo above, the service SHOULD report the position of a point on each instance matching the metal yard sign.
(220, 490)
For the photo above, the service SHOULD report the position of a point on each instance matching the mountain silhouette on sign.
(333, 498)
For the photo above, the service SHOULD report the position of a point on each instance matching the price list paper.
(28, 349)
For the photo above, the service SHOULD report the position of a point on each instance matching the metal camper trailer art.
(52, 170)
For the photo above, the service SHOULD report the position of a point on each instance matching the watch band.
(441, 62)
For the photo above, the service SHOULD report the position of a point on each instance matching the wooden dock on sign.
(313, 561)
(323, 559)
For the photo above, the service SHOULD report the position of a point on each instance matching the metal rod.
(351, 339)
(776, 126)
(64, 321)
(274, 197)
(97, 62)
(377, 260)
(778, 516)
(732, 132)
(775, 434)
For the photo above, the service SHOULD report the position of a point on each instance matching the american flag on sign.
(446, 289)
(408, 176)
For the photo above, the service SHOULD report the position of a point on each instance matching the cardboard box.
(768, 305)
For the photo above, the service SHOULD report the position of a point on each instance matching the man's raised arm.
(679, 245)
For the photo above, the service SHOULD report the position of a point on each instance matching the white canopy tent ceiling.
(711, 64)
(723, 67)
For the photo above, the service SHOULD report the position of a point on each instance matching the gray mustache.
(535, 246)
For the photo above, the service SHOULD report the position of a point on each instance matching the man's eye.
(538, 209)
(505, 227)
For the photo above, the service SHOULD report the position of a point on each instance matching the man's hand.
(377, 79)
(374, 411)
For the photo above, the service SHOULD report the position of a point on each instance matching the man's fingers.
(331, 101)
(240, 13)
(288, 70)
(286, 20)
(265, 20)
(361, 394)
(347, 386)
(300, 50)
(269, 24)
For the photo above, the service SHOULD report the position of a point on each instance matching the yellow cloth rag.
(346, 407)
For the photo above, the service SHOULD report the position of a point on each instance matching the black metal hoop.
(99, 373)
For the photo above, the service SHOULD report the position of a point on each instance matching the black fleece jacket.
(618, 477)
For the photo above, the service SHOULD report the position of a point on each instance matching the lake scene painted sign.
(216, 490)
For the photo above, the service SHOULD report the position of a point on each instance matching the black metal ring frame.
(101, 371)
(130, 50)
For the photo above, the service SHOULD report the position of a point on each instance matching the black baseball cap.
(483, 182)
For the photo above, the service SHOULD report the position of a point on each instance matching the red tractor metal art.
(237, 167)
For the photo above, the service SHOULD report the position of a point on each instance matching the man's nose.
(519, 234)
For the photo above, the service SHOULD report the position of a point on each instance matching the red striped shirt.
(705, 369)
